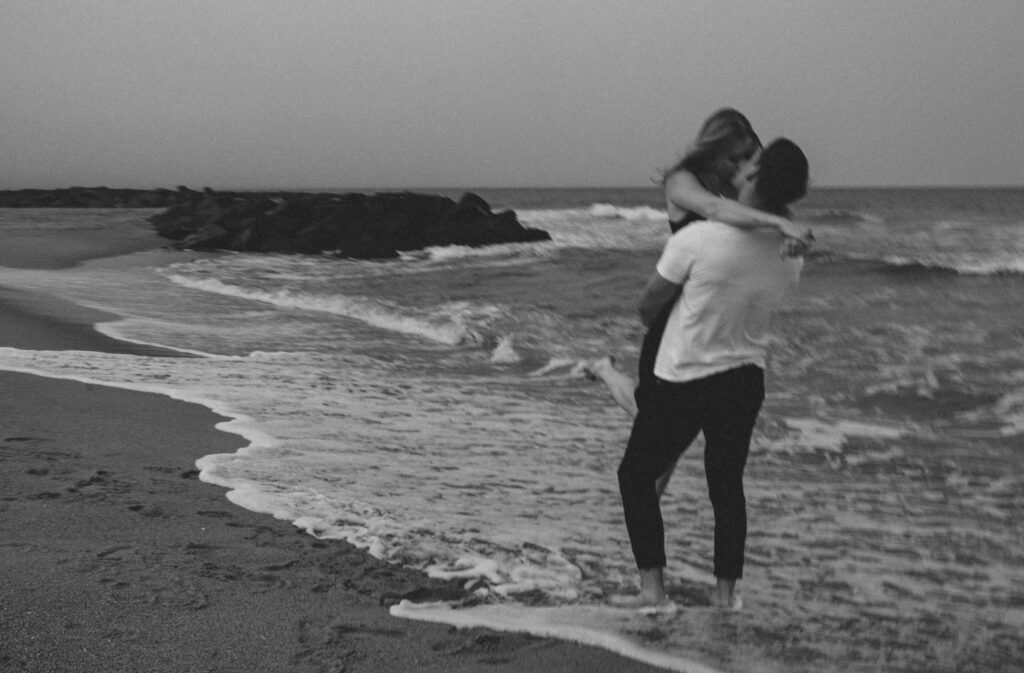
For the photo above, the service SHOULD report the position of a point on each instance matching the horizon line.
(480, 187)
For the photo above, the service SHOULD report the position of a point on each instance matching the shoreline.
(117, 558)
(36, 322)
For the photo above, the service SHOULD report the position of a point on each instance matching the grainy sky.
(479, 93)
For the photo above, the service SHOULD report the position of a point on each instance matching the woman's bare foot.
(602, 363)
(652, 590)
(619, 385)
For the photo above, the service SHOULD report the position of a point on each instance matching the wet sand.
(115, 557)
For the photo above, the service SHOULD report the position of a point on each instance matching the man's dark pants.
(725, 407)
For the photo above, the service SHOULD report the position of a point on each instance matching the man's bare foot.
(725, 596)
(665, 608)
(733, 604)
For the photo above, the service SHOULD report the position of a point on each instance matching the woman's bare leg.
(662, 482)
(619, 385)
(622, 389)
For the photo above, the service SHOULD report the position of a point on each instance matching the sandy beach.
(115, 557)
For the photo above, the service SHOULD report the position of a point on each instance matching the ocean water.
(432, 411)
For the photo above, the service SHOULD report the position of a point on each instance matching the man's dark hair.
(782, 174)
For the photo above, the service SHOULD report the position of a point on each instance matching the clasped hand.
(797, 241)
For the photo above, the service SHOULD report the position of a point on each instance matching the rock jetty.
(350, 225)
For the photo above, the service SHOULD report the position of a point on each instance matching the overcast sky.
(482, 93)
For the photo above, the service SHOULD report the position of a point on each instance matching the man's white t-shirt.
(733, 281)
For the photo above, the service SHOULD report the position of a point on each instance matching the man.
(725, 283)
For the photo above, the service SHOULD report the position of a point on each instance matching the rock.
(350, 225)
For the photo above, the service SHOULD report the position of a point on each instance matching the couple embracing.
(733, 257)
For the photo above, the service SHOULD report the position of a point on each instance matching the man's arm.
(657, 293)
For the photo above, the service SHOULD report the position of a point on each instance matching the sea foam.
(608, 628)
(443, 324)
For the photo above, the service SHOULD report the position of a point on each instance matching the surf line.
(563, 623)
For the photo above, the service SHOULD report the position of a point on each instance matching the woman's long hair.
(719, 134)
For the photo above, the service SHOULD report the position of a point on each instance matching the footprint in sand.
(489, 648)
(158, 468)
(45, 495)
(330, 645)
(99, 484)
(112, 551)
(214, 514)
(152, 511)
(175, 592)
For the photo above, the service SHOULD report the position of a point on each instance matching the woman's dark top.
(689, 218)
(652, 340)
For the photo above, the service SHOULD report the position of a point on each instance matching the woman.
(700, 187)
